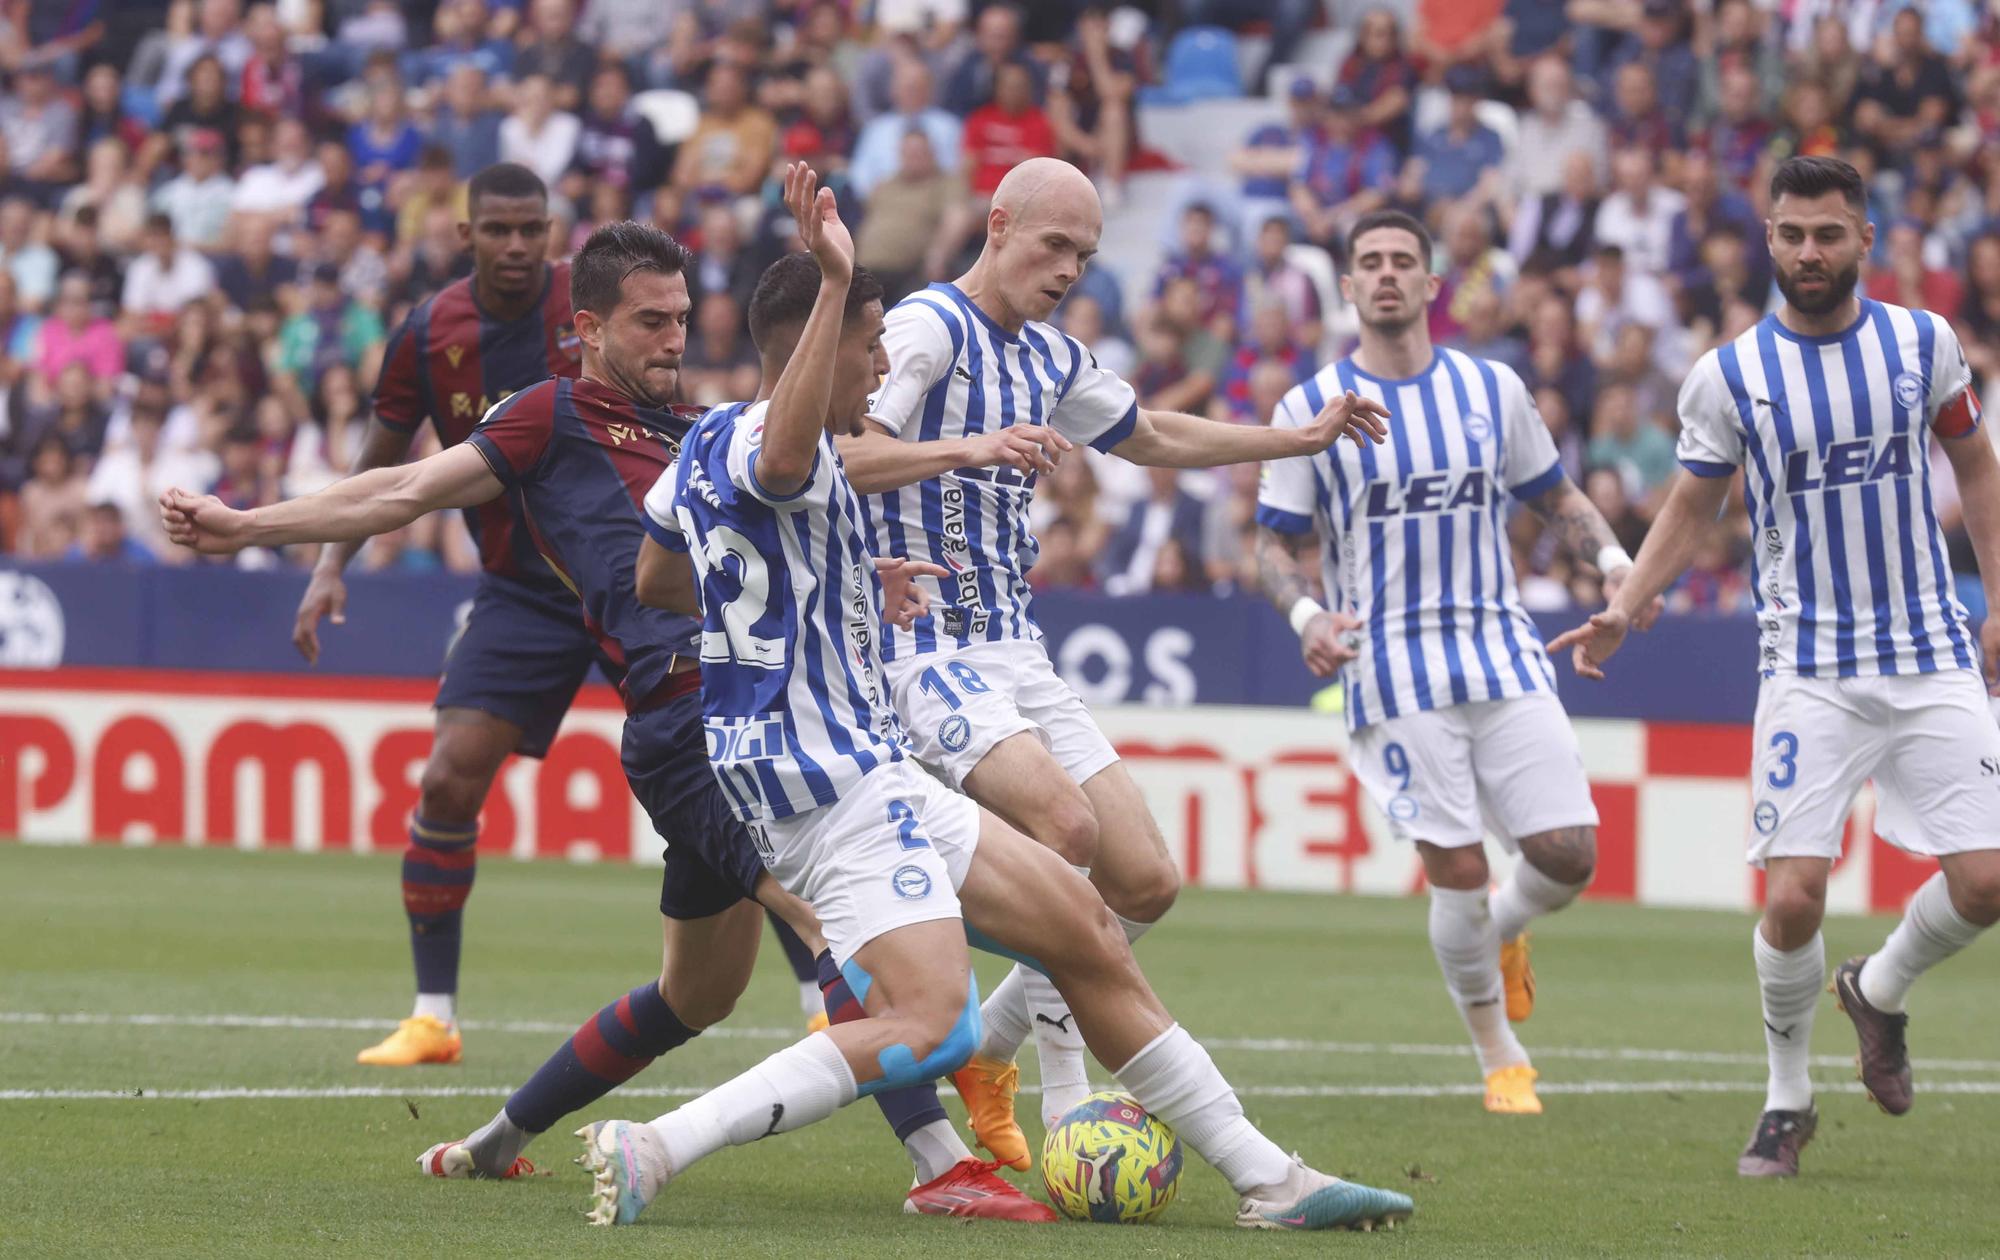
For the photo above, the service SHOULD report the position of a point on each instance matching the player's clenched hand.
(1032, 448)
(903, 601)
(202, 522)
(1645, 617)
(1595, 640)
(326, 596)
(1328, 642)
(825, 236)
(1350, 415)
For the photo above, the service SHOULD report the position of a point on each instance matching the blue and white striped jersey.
(1849, 562)
(791, 666)
(954, 373)
(1416, 530)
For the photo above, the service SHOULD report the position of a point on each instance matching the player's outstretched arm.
(1174, 439)
(326, 593)
(797, 414)
(1586, 535)
(665, 579)
(1287, 566)
(1670, 544)
(375, 502)
(1977, 470)
(877, 461)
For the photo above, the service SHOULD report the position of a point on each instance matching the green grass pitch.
(1327, 1011)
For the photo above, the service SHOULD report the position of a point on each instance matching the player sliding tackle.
(1450, 697)
(899, 866)
(973, 684)
(574, 452)
(1870, 666)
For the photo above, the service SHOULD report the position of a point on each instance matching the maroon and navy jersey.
(451, 362)
(581, 456)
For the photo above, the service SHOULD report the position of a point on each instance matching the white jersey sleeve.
(1711, 441)
(1098, 408)
(921, 353)
(746, 443)
(663, 524)
(1529, 464)
(1950, 378)
(1286, 491)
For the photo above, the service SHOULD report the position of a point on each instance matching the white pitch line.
(225, 1093)
(1263, 1045)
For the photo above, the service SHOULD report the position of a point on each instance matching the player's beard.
(1839, 287)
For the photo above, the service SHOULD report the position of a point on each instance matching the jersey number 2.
(742, 612)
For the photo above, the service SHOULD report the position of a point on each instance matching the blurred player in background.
(972, 681)
(1870, 666)
(814, 759)
(575, 455)
(1450, 699)
(523, 652)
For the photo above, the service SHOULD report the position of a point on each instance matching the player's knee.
(1069, 826)
(697, 1005)
(1975, 893)
(937, 1041)
(1147, 895)
(1567, 857)
(1795, 910)
(449, 792)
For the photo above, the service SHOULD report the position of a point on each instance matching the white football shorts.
(1929, 741)
(1512, 763)
(890, 853)
(956, 705)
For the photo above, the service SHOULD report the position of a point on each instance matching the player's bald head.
(1048, 189)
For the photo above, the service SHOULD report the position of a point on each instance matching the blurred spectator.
(216, 33)
(1905, 280)
(82, 251)
(821, 130)
(1083, 319)
(1383, 77)
(1828, 57)
(1635, 120)
(1064, 563)
(1273, 153)
(29, 260)
(274, 78)
(732, 148)
(1482, 332)
(1810, 129)
(74, 335)
(617, 145)
(1213, 271)
(52, 501)
(902, 238)
(1469, 266)
(252, 271)
(1464, 155)
(327, 328)
(279, 189)
(1707, 207)
(19, 330)
(1979, 317)
(1661, 48)
(1606, 487)
(537, 134)
(206, 107)
(1907, 99)
(1271, 278)
(1616, 296)
(40, 125)
(1006, 132)
(1715, 581)
(1741, 133)
(70, 412)
(996, 42)
(1555, 232)
(134, 474)
(1091, 103)
(722, 263)
(719, 363)
(1183, 361)
(1722, 278)
(1288, 20)
(1556, 126)
(464, 125)
(1637, 449)
(1738, 42)
(104, 540)
(1555, 358)
(555, 53)
(1346, 173)
(384, 146)
(465, 40)
(621, 29)
(103, 114)
(198, 200)
(113, 189)
(878, 152)
(1128, 565)
(1639, 215)
(1269, 341)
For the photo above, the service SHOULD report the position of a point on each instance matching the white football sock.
(1932, 930)
(1058, 1047)
(935, 1149)
(1467, 945)
(811, 1001)
(442, 1007)
(1133, 928)
(793, 1088)
(1004, 1016)
(1790, 984)
(1526, 895)
(1174, 1078)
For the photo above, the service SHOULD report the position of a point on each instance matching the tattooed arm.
(1287, 570)
(1586, 535)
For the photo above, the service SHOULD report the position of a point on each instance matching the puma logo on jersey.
(959, 371)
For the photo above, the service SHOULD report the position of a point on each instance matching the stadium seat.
(1200, 66)
(673, 114)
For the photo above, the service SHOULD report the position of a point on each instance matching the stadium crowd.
(211, 215)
